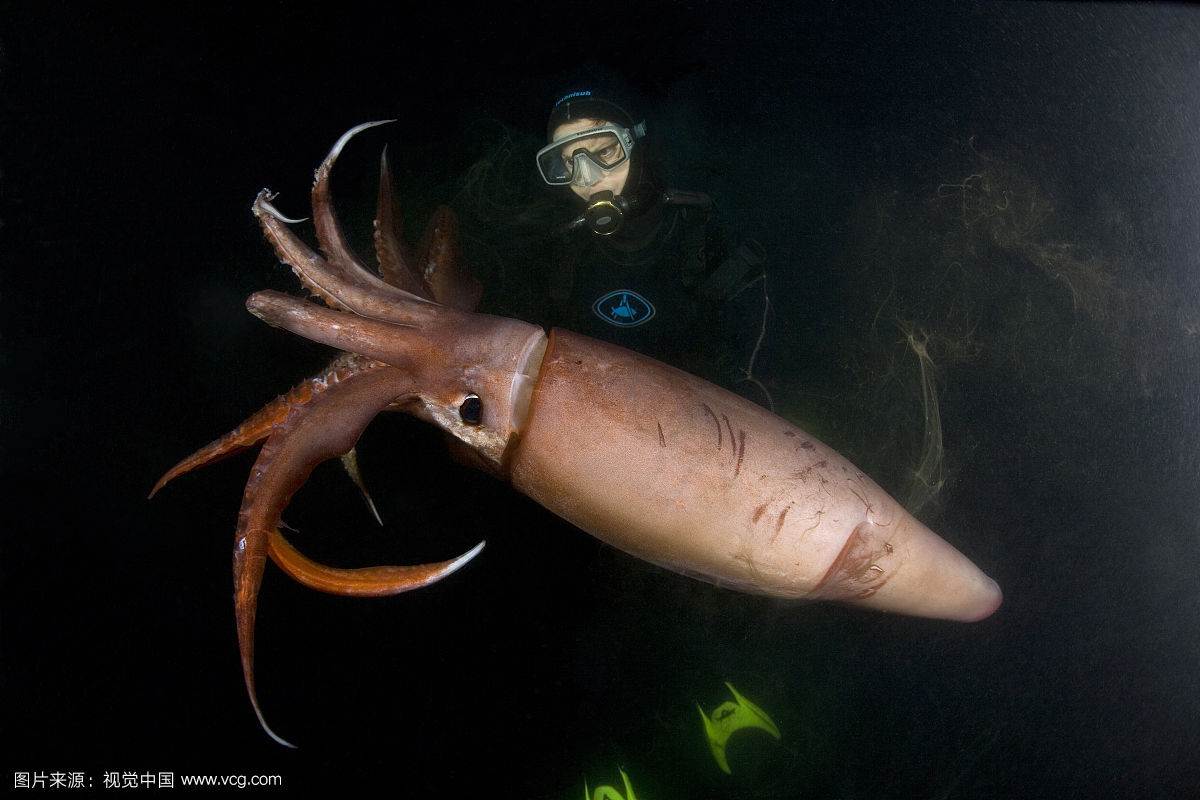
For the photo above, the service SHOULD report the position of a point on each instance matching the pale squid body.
(659, 463)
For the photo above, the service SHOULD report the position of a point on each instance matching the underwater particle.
(930, 475)
(730, 717)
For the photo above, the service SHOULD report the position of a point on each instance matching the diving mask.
(585, 157)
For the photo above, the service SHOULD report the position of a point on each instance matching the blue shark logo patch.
(624, 308)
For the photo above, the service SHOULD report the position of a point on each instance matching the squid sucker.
(648, 458)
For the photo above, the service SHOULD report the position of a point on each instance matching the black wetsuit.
(650, 287)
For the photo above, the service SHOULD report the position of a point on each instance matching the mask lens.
(570, 159)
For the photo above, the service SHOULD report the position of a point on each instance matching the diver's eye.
(471, 410)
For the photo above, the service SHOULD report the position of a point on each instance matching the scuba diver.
(638, 263)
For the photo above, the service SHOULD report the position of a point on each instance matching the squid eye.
(471, 410)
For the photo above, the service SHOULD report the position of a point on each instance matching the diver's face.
(596, 180)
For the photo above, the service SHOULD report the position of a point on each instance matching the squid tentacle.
(391, 251)
(434, 275)
(326, 425)
(339, 278)
(350, 464)
(436, 271)
(308, 425)
(330, 234)
(258, 426)
(439, 257)
(342, 286)
(382, 581)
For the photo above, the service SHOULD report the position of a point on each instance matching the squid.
(648, 458)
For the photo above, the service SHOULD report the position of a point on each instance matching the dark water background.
(1014, 186)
